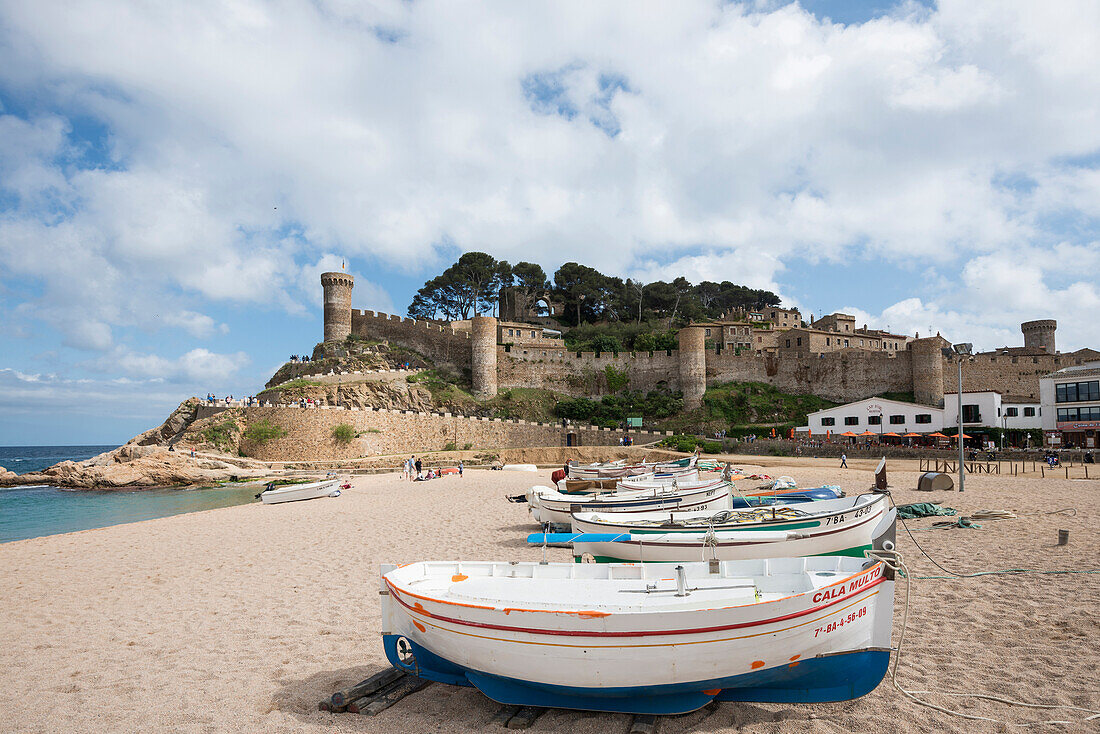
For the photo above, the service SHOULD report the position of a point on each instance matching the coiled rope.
(893, 560)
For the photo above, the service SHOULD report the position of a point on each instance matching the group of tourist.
(626, 440)
(413, 470)
(300, 358)
(228, 400)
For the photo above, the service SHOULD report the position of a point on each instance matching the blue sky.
(174, 178)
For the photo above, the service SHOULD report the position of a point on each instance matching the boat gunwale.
(596, 614)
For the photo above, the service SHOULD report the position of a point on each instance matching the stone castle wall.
(309, 433)
(440, 343)
(839, 376)
(1016, 376)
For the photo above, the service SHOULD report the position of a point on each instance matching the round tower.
(337, 304)
(1040, 334)
(483, 345)
(927, 368)
(693, 365)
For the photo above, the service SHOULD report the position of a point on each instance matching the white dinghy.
(295, 492)
(643, 639)
(548, 505)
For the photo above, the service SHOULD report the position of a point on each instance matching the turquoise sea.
(31, 512)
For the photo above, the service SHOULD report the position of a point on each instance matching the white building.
(990, 409)
(1070, 400)
(876, 415)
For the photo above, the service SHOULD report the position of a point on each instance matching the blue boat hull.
(838, 677)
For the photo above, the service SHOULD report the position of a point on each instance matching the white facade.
(1071, 418)
(892, 417)
(988, 409)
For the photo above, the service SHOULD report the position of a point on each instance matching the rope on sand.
(893, 560)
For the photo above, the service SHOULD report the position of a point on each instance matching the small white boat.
(520, 467)
(548, 505)
(844, 527)
(296, 492)
(643, 639)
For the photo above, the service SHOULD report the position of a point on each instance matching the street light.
(960, 351)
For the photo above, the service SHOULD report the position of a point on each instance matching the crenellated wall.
(440, 343)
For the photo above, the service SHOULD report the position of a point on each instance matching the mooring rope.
(893, 560)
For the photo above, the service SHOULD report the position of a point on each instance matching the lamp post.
(960, 351)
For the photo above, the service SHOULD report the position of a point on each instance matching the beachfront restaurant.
(875, 419)
(1070, 400)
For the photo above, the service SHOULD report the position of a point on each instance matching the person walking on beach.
(419, 468)
(460, 470)
(843, 461)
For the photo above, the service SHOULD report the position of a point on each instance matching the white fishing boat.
(621, 469)
(643, 638)
(844, 527)
(548, 505)
(296, 492)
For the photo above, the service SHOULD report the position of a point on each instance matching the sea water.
(31, 512)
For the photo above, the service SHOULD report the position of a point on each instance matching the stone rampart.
(309, 433)
(1016, 376)
(439, 343)
(585, 373)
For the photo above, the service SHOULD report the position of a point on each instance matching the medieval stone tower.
(1040, 334)
(337, 287)
(693, 365)
(483, 356)
(927, 366)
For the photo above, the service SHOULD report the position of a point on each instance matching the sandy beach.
(243, 618)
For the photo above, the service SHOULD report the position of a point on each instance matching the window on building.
(896, 420)
(1087, 413)
(788, 342)
(799, 340)
(1011, 412)
(923, 418)
(1071, 392)
(971, 414)
(845, 342)
(861, 342)
(510, 332)
(826, 341)
(532, 335)
(706, 332)
(851, 420)
(828, 421)
(874, 420)
(1029, 412)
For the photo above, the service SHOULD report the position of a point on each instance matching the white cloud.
(252, 146)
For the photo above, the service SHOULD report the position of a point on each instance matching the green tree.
(465, 289)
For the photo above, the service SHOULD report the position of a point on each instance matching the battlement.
(364, 318)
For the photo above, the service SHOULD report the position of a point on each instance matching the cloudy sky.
(174, 176)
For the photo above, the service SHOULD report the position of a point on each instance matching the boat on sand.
(295, 492)
(548, 505)
(844, 527)
(643, 638)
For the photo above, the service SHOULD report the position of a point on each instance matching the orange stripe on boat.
(419, 626)
(757, 664)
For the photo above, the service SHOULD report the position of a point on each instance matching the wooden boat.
(296, 492)
(620, 469)
(640, 481)
(843, 527)
(643, 638)
(547, 505)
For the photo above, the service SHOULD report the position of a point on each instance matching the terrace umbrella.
(849, 434)
(892, 434)
(937, 434)
(773, 433)
(792, 433)
(867, 433)
(828, 434)
(913, 435)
